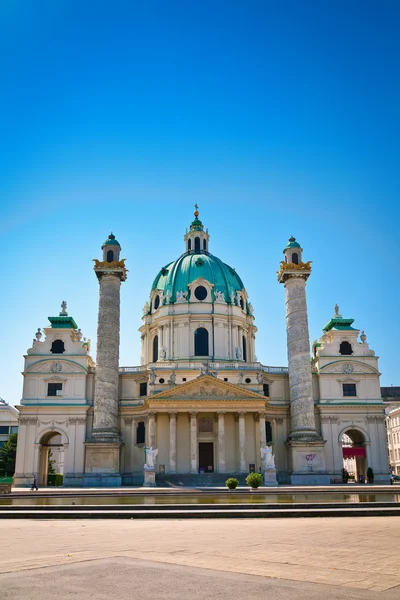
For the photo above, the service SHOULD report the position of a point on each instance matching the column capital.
(172, 414)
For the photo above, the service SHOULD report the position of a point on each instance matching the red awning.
(353, 452)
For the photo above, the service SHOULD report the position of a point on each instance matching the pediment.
(348, 367)
(207, 387)
(57, 366)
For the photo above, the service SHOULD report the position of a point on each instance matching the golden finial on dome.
(196, 212)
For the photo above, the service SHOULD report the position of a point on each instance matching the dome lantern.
(196, 239)
(293, 251)
(111, 249)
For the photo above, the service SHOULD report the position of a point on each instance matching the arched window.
(295, 258)
(189, 244)
(156, 302)
(201, 342)
(345, 348)
(110, 256)
(244, 349)
(155, 349)
(204, 245)
(268, 432)
(197, 244)
(241, 302)
(140, 433)
(57, 347)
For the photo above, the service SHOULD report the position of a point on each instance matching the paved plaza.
(297, 558)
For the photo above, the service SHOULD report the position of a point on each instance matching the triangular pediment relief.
(207, 386)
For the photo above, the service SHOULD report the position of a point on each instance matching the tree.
(50, 469)
(8, 452)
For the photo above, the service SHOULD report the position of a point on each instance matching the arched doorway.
(51, 458)
(354, 454)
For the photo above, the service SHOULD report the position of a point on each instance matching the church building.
(199, 395)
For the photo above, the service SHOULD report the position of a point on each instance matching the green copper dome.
(292, 243)
(176, 276)
(111, 241)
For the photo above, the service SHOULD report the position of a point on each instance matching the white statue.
(172, 378)
(163, 353)
(181, 296)
(63, 308)
(152, 377)
(240, 377)
(267, 458)
(238, 351)
(150, 457)
(336, 310)
(251, 309)
(168, 297)
(38, 334)
(219, 296)
(204, 369)
(232, 296)
(260, 377)
(79, 335)
(146, 308)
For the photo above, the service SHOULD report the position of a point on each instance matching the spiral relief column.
(102, 462)
(304, 440)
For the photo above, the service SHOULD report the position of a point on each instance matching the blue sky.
(277, 118)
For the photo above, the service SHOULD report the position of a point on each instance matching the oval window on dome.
(156, 302)
(200, 292)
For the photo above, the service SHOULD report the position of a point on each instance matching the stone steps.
(212, 512)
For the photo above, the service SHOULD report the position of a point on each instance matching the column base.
(102, 460)
(149, 478)
(307, 463)
(101, 480)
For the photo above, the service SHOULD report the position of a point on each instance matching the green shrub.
(254, 480)
(231, 483)
(55, 479)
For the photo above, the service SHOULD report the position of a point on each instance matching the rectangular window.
(266, 389)
(349, 389)
(53, 388)
(4, 429)
(14, 429)
(143, 389)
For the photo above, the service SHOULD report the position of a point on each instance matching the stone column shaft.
(105, 421)
(221, 442)
(300, 375)
(172, 442)
(263, 435)
(193, 443)
(242, 443)
(152, 430)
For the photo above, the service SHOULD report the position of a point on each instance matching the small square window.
(349, 389)
(225, 379)
(53, 388)
(183, 378)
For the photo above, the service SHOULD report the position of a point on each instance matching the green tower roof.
(339, 324)
(62, 322)
(292, 243)
(111, 241)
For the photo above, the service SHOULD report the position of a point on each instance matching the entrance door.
(206, 457)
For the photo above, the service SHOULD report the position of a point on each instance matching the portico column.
(152, 430)
(172, 442)
(263, 436)
(193, 443)
(242, 442)
(221, 442)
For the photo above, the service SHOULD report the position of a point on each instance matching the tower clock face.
(348, 369)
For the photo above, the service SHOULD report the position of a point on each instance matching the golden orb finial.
(196, 212)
